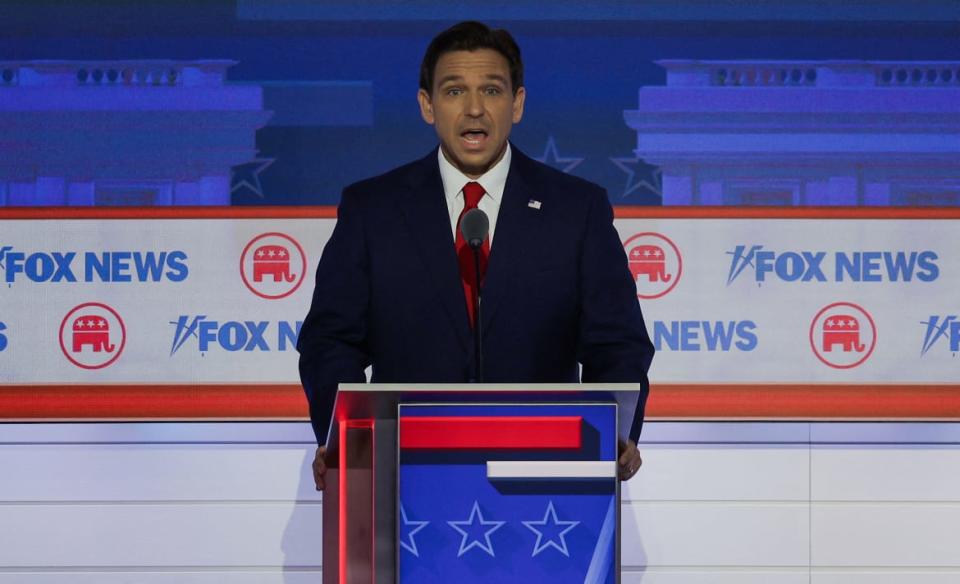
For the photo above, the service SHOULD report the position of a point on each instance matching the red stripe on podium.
(476, 432)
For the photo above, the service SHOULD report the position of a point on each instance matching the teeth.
(473, 137)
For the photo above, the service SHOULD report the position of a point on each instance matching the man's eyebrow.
(458, 78)
(449, 78)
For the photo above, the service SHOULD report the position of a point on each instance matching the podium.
(474, 483)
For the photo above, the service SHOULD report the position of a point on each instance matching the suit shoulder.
(386, 183)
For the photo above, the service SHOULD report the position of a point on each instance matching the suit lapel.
(424, 209)
(517, 225)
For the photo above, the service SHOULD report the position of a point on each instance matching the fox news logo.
(819, 266)
(107, 266)
(234, 335)
(705, 335)
(940, 328)
(3, 337)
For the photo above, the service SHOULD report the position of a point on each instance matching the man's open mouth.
(474, 136)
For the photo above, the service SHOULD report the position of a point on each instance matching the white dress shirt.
(492, 181)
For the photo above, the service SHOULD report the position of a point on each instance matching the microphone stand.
(475, 228)
(477, 332)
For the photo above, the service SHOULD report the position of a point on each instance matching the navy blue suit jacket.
(388, 294)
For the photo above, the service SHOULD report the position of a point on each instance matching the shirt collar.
(493, 181)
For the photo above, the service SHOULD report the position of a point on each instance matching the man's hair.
(471, 35)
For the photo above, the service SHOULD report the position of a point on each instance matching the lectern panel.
(535, 503)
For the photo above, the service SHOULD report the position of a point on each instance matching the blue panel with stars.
(457, 525)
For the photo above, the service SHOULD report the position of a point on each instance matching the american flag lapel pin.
(534, 204)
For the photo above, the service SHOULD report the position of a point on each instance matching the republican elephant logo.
(649, 261)
(655, 264)
(92, 331)
(92, 335)
(843, 335)
(843, 330)
(272, 260)
(273, 265)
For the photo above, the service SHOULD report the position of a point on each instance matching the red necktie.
(472, 193)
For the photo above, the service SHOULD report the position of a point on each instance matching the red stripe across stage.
(785, 401)
(620, 212)
(480, 432)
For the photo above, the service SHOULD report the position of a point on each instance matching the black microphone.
(474, 225)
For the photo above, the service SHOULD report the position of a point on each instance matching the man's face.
(472, 106)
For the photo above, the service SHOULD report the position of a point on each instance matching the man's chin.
(476, 163)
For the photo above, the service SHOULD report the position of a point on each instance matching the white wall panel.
(725, 432)
(152, 472)
(158, 432)
(883, 473)
(886, 534)
(888, 576)
(266, 576)
(714, 502)
(170, 534)
(715, 534)
(886, 433)
(714, 576)
(731, 473)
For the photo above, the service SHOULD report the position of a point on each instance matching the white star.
(550, 521)
(829, 324)
(271, 253)
(412, 546)
(90, 323)
(470, 523)
(851, 323)
(101, 323)
(657, 253)
(260, 253)
(282, 253)
(646, 253)
(78, 324)
(552, 157)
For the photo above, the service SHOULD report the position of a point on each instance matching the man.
(391, 292)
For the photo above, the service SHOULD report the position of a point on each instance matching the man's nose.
(474, 105)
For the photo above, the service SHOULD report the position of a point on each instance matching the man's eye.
(493, 91)
(454, 91)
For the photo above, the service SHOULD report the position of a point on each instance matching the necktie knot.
(472, 193)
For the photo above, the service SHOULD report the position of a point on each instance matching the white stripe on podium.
(551, 469)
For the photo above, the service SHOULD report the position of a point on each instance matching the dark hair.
(471, 35)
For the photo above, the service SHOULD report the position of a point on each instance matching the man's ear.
(426, 106)
(518, 100)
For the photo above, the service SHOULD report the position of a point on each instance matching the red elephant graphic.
(844, 330)
(648, 260)
(273, 260)
(91, 330)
